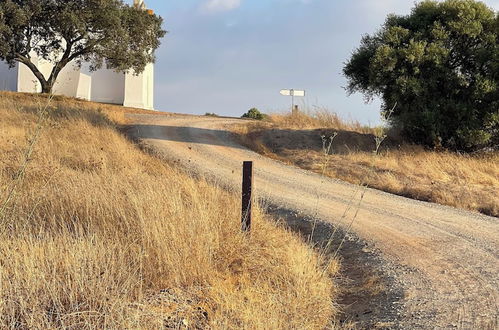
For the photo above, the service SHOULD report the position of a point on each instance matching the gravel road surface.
(442, 263)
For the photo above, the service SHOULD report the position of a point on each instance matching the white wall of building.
(71, 81)
(8, 77)
(67, 82)
(104, 85)
(19, 78)
(149, 86)
(84, 90)
(27, 82)
(108, 87)
(139, 89)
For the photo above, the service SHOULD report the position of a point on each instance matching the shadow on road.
(344, 142)
(192, 135)
(369, 297)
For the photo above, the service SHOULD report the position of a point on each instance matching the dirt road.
(444, 261)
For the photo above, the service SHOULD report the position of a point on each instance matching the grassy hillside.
(96, 233)
(459, 180)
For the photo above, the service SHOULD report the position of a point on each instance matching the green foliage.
(100, 32)
(440, 66)
(254, 113)
(211, 114)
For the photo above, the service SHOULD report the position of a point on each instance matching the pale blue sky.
(226, 56)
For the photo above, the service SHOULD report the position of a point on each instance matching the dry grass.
(74, 107)
(313, 118)
(102, 235)
(464, 181)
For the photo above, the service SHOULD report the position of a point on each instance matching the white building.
(136, 91)
(104, 85)
(71, 81)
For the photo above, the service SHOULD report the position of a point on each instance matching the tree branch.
(26, 61)
(62, 63)
(86, 49)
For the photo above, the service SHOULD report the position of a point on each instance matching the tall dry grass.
(101, 235)
(465, 181)
(313, 118)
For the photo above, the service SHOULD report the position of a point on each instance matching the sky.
(227, 56)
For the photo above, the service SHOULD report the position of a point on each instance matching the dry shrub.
(101, 235)
(72, 107)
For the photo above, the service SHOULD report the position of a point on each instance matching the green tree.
(100, 32)
(440, 66)
(254, 113)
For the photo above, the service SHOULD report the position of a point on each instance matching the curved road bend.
(446, 259)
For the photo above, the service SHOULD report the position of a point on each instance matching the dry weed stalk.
(327, 143)
(41, 113)
(379, 136)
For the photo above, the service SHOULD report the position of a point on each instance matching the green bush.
(254, 113)
(439, 67)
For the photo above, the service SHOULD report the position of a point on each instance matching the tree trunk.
(46, 86)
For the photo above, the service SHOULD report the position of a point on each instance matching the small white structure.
(128, 89)
(18, 79)
(103, 85)
(71, 82)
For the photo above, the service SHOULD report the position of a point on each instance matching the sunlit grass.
(459, 180)
(99, 234)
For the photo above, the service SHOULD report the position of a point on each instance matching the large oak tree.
(440, 66)
(100, 32)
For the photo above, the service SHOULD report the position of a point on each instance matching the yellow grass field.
(465, 181)
(95, 233)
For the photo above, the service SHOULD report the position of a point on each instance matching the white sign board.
(292, 92)
(295, 92)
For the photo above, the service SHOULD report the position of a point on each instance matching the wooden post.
(247, 202)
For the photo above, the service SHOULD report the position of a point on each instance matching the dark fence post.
(247, 196)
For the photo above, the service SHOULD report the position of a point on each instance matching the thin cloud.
(216, 6)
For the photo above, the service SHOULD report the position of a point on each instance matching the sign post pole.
(293, 93)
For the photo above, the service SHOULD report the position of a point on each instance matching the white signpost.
(292, 93)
